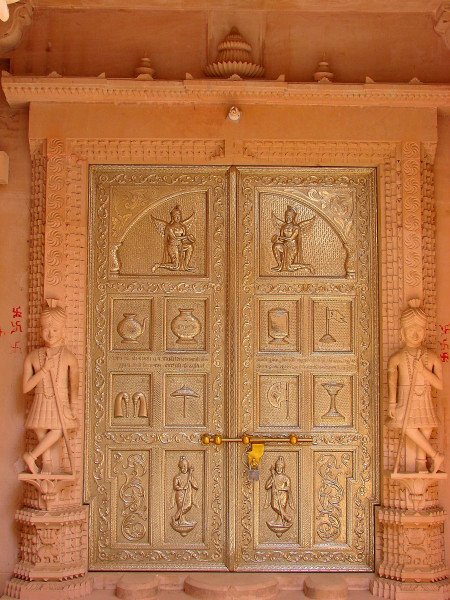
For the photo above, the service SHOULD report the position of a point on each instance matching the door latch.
(255, 447)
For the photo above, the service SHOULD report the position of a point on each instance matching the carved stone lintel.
(53, 544)
(442, 24)
(11, 35)
(48, 487)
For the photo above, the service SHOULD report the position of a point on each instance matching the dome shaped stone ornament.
(323, 73)
(144, 71)
(234, 58)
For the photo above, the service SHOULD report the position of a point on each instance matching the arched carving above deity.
(166, 237)
(300, 239)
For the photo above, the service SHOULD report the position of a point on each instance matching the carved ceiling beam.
(20, 91)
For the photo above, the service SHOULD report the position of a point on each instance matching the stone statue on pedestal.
(52, 371)
(412, 372)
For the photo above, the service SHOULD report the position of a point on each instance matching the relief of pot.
(185, 326)
(130, 329)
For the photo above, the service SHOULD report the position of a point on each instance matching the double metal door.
(229, 301)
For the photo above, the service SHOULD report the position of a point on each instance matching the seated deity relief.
(297, 240)
(179, 244)
(413, 371)
(165, 238)
(287, 244)
(52, 372)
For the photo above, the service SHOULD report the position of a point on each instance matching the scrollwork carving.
(133, 495)
(330, 495)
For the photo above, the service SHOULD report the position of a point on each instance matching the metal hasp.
(255, 447)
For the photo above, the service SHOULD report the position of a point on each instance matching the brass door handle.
(246, 439)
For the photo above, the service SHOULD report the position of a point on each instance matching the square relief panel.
(278, 401)
(131, 324)
(332, 326)
(183, 521)
(279, 326)
(333, 400)
(159, 234)
(185, 400)
(185, 320)
(130, 399)
(279, 498)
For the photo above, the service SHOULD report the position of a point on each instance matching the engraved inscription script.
(231, 300)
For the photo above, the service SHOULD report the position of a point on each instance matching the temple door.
(230, 301)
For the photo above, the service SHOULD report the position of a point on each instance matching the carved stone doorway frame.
(58, 253)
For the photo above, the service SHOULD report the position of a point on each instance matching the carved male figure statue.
(52, 371)
(412, 372)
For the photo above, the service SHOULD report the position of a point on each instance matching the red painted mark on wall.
(15, 347)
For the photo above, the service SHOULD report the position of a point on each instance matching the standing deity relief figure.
(412, 372)
(287, 244)
(178, 242)
(279, 497)
(185, 487)
(52, 371)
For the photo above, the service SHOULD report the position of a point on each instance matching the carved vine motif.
(330, 495)
(133, 495)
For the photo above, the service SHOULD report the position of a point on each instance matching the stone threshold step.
(201, 586)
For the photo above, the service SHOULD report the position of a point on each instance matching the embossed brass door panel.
(306, 361)
(156, 380)
(230, 300)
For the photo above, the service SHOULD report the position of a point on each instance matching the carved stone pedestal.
(396, 590)
(412, 548)
(53, 550)
(42, 590)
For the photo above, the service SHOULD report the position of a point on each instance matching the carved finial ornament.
(234, 58)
